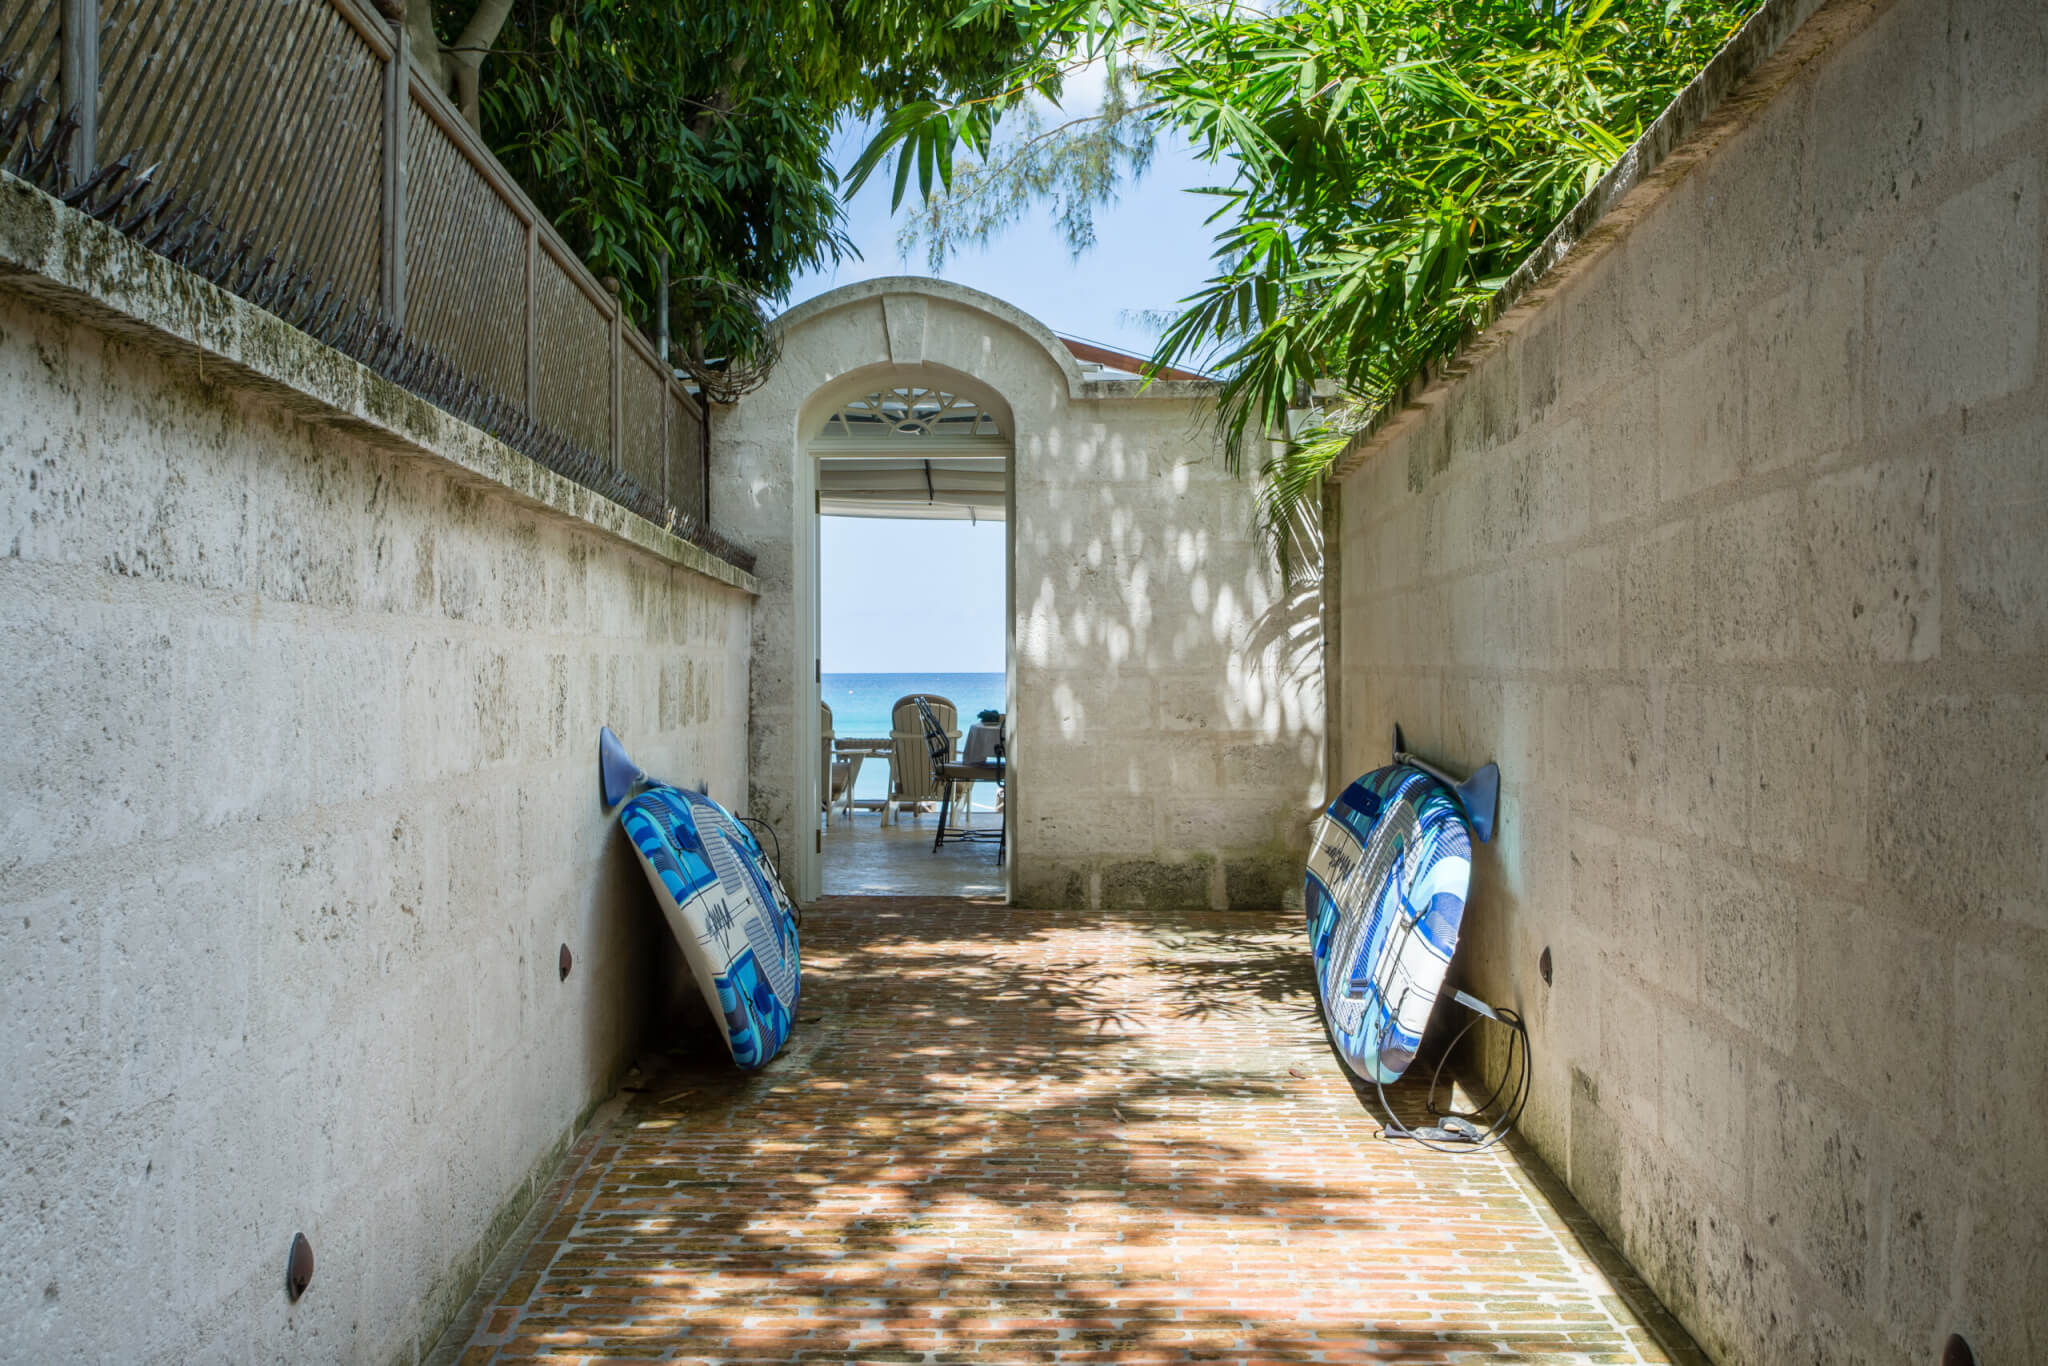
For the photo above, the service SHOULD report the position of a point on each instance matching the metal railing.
(292, 152)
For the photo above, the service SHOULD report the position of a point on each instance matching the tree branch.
(1022, 149)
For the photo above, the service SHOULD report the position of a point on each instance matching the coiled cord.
(1508, 1097)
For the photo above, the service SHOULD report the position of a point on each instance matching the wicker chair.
(910, 765)
(946, 775)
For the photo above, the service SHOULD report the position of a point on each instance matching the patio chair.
(946, 775)
(910, 770)
(833, 773)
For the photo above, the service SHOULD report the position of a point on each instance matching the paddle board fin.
(617, 775)
(1478, 794)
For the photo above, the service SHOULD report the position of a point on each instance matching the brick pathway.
(1014, 1136)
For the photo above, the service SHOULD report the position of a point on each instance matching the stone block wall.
(1168, 694)
(1733, 551)
(297, 805)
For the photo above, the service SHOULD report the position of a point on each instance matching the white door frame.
(806, 569)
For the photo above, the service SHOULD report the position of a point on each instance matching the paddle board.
(727, 910)
(1387, 879)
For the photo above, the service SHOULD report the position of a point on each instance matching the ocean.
(861, 702)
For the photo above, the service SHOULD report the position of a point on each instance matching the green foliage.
(1394, 162)
(1391, 162)
(644, 126)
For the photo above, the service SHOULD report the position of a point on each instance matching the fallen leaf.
(1292, 1073)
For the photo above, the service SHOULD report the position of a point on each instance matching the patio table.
(855, 749)
(979, 746)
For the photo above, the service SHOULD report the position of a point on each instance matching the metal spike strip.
(181, 248)
(246, 286)
(18, 126)
(45, 168)
(98, 178)
(133, 224)
(218, 273)
(106, 212)
(191, 235)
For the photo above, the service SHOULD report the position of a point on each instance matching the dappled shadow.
(1218, 969)
(1032, 1136)
(1290, 629)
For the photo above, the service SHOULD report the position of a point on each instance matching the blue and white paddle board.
(1387, 879)
(727, 910)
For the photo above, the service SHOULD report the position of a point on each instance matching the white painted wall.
(1733, 552)
(1165, 696)
(297, 802)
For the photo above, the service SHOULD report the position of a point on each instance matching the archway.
(863, 339)
(912, 471)
(1164, 735)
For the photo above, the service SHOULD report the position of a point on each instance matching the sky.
(1151, 249)
(910, 597)
(902, 597)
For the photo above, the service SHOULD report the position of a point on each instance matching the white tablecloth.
(979, 746)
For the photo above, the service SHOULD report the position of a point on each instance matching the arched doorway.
(912, 472)
(1165, 720)
(876, 346)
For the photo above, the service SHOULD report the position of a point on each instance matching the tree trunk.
(466, 55)
(426, 44)
(721, 102)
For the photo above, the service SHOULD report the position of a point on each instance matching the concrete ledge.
(1766, 53)
(78, 266)
(1158, 388)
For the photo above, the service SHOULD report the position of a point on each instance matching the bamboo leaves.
(1389, 163)
(703, 133)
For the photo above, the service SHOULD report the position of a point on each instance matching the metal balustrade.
(292, 152)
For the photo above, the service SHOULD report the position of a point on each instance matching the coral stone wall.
(297, 805)
(1734, 553)
(1168, 688)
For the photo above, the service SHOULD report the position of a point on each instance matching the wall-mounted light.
(1543, 965)
(566, 961)
(298, 1267)
(1956, 1352)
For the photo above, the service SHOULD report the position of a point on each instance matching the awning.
(954, 487)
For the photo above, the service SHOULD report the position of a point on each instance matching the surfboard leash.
(760, 828)
(1461, 1131)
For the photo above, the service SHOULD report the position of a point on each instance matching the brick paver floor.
(1016, 1136)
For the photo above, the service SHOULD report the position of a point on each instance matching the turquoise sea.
(861, 704)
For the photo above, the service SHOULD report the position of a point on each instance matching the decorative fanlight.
(910, 412)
